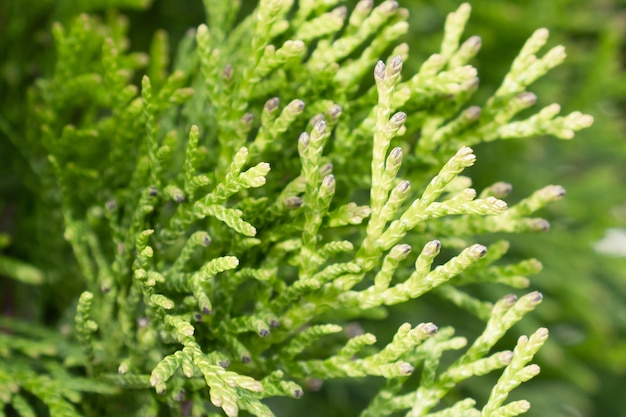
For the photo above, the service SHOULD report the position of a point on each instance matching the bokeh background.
(584, 254)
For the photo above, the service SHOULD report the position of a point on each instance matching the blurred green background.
(584, 279)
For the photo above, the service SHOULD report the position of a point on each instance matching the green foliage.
(582, 362)
(232, 214)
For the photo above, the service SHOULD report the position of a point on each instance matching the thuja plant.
(237, 214)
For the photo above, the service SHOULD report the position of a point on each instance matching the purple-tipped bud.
(274, 323)
(340, 12)
(111, 205)
(405, 368)
(477, 251)
(329, 183)
(247, 120)
(379, 71)
(303, 141)
(296, 106)
(178, 196)
(536, 297)
(396, 154)
(297, 393)
(395, 65)
(272, 104)
(470, 85)
(429, 328)
(474, 43)
(539, 225)
(264, 332)
(472, 113)
(320, 127)
(316, 119)
(553, 192)
(206, 240)
(389, 6)
(293, 202)
(400, 252)
(397, 120)
(364, 6)
(508, 300)
(403, 187)
(501, 189)
(326, 169)
(334, 112)
(527, 99)
(180, 396)
(153, 192)
(432, 248)
(227, 72)
(245, 359)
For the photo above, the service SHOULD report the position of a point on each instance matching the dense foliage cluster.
(238, 214)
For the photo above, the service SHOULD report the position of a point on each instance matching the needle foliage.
(215, 228)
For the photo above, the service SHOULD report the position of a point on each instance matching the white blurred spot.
(613, 243)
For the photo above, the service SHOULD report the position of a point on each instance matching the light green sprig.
(537, 200)
(321, 26)
(360, 27)
(272, 127)
(417, 212)
(453, 30)
(192, 181)
(275, 385)
(514, 374)
(85, 326)
(21, 271)
(390, 265)
(527, 67)
(356, 344)
(333, 248)
(197, 240)
(463, 408)
(347, 214)
(318, 193)
(151, 131)
(384, 363)
(291, 52)
(421, 281)
(227, 389)
(506, 312)
(309, 8)
(307, 337)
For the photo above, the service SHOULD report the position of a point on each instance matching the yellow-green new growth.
(220, 282)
